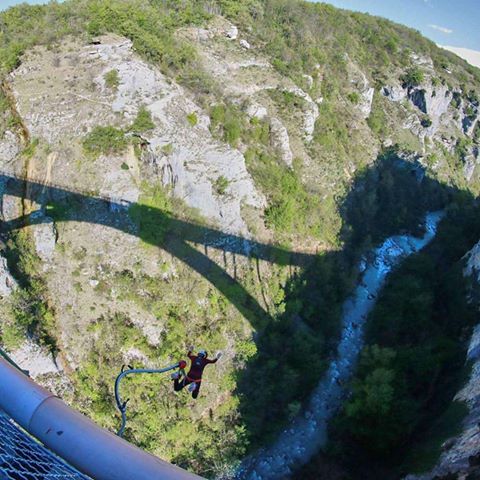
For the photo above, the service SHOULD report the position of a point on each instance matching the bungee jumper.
(193, 379)
(181, 379)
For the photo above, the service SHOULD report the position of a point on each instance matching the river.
(307, 433)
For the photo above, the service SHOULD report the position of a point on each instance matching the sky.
(447, 22)
(8, 3)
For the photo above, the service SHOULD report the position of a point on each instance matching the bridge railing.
(28, 410)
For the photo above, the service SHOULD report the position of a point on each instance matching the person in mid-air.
(194, 376)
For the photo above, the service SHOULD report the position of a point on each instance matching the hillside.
(220, 173)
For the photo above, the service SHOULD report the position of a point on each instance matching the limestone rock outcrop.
(197, 160)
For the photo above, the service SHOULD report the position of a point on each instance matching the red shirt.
(198, 364)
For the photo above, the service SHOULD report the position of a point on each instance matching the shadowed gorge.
(308, 329)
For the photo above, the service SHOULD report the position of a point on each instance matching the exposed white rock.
(360, 82)
(471, 160)
(197, 159)
(232, 32)
(470, 117)
(309, 80)
(9, 148)
(44, 236)
(281, 140)
(449, 143)
(7, 282)
(422, 61)
(35, 359)
(395, 93)
(366, 99)
(203, 34)
(255, 110)
(135, 355)
(11, 207)
(310, 114)
(117, 183)
(433, 101)
(245, 44)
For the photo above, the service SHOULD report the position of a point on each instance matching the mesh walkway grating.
(23, 458)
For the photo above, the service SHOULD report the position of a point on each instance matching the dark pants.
(180, 384)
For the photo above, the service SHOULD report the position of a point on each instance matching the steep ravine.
(461, 454)
(308, 432)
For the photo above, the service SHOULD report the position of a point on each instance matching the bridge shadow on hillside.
(293, 348)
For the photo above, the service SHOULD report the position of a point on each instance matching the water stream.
(307, 434)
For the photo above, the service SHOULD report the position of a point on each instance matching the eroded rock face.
(44, 236)
(281, 140)
(197, 159)
(254, 110)
(395, 93)
(35, 359)
(471, 115)
(431, 101)
(360, 83)
(471, 161)
(7, 282)
(365, 104)
(310, 114)
(9, 147)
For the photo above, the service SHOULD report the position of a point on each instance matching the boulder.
(232, 32)
(309, 80)
(245, 44)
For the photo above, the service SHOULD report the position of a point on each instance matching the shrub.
(167, 149)
(232, 130)
(412, 77)
(104, 141)
(217, 115)
(192, 119)
(143, 122)
(354, 97)
(426, 122)
(221, 185)
(111, 79)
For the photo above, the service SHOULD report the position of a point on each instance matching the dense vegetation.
(412, 364)
(33, 316)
